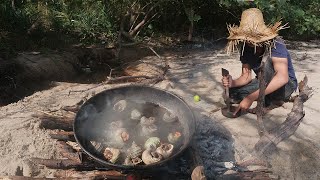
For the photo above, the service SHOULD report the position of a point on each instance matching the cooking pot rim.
(137, 167)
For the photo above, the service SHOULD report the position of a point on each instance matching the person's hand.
(244, 105)
(226, 81)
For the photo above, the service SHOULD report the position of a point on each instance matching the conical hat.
(252, 29)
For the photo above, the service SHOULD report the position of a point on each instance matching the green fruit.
(196, 98)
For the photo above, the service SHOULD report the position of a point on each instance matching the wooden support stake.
(261, 100)
(290, 125)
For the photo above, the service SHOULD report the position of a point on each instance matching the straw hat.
(252, 29)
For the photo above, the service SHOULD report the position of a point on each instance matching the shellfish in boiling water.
(152, 143)
(148, 130)
(120, 106)
(174, 137)
(116, 124)
(118, 137)
(150, 157)
(133, 155)
(135, 114)
(111, 154)
(147, 121)
(97, 145)
(134, 151)
(165, 150)
(169, 117)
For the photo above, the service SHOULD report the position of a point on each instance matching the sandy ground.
(192, 72)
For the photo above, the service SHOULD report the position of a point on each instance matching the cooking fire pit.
(130, 127)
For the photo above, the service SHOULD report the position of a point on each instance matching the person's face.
(259, 49)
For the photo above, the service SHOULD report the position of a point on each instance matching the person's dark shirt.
(280, 51)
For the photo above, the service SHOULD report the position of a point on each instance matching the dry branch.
(56, 124)
(67, 152)
(51, 121)
(290, 125)
(89, 174)
(62, 135)
(57, 163)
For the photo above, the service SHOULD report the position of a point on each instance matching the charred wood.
(63, 136)
(67, 152)
(89, 174)
(57, 163)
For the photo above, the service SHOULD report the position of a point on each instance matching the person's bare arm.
(281, 77)
(244, 78)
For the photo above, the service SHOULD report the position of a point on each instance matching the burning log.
(63, 136)
(57, 163)
(66, 164)
(290, 125)
(55, 124)
(89, 174)
(67, 152)
(51, 121)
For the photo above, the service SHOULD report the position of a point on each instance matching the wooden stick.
(22, 178)
(63, 136)
(89, 174)
(290, 125)
(261, 100)
(56, 124)
(67, 152)
(56, 163)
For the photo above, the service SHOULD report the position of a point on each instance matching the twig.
(122, 78)
(155, 52)
(290, 125)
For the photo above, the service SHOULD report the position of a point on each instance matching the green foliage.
(99, 20)
(301, 16)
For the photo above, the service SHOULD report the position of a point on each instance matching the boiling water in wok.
(127, 121)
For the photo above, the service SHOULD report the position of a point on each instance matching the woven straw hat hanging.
(252, 29)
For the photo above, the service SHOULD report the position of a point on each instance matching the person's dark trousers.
(282, 94)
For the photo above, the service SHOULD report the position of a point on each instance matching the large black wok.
(87, 125)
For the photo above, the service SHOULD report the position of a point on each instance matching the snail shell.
(130, 162)
(111, 154)
(119, 137)
(116, 124)
(97, 145)
(152, 143)
(148, 130)
(150, 157)
(174, 137)
(120, 105)
(147, 121)
(134, 151)
(135, 114)
(165, 150)
(169, 117)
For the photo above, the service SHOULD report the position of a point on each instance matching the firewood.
(63, 135)
(21, 178)
(56, 163)
(290, 125)
(89, 174)
(67, 152)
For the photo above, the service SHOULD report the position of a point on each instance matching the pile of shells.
(152, 151)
